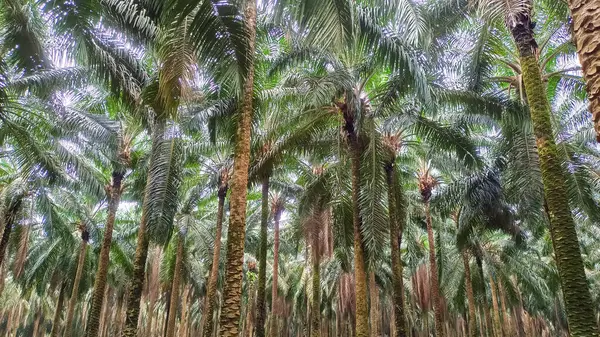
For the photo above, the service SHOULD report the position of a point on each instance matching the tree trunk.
(586, 36)
(232, 292)
(136, 285)
(275, 277)
(100, 278)
(375, 310)
(250, 313)
(496, 307)
(316, 288)
(435, 286)
(470, 296)
(210, 298)
(397, 219)
(9, 218)
(360, 273)
(58, 312)
(261, 307)
(576, 294)
(175, 285)
(75, 289)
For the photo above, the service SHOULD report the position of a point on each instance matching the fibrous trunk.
(175, 285)
(470, 296)
(576, 294)
(435, 286)
(100, 278)
(276, 218)
(211, 291)
(232, 292)
(76, 282)
(396, 218)
(261, 308)
(586, 35)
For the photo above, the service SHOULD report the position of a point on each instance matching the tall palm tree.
(239, 181)
(519, 21)
(426, 185)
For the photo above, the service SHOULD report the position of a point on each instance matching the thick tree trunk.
(375, 310)
(210, 299)
(175, 285)
(397, 219)
(100, 278)
(316, 288)
(470, 296)
(435, 286)
(586, 35)
(261, 307)
(360, 272)
(76, 282)
(275, 277)
(576, 294)
(58, 312)
(232, 292)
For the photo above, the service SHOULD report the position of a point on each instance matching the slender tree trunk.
(261, 307)
(8, 225)
(58, 312)
(316, 288)
(100, 278)
(76, 282)
(576, 294)
(397, 219)
(496, 307)
(136, 285)
(435, 286)
(360, 272)
(175, 285)
(210, 298)
(507, 324)
(375, 309)
(232, 292)
(250, 312)
(470, 296)
(586, 31)
(274, 314)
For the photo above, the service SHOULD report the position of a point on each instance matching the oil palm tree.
(519, 21)
(585, 29)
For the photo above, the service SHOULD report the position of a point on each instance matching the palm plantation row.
(299, 168)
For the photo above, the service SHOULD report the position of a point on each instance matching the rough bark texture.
(174, 301)
(9, 218)
(586, 35)
(261, 307)
(278, 209)
(100, 278)
(470, 296)
(58, 312)
(211, 291)
(136, 285)
(76, 282)
(360, 272)
(578, 301)
(396, 222)
(374, 308)
(232, 291)
(316, 288)
(496, 307)
(435, 286)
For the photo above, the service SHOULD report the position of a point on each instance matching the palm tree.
(239, 181)
(85, 236)
(585, 31)
(518, 19)
(426, 185)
